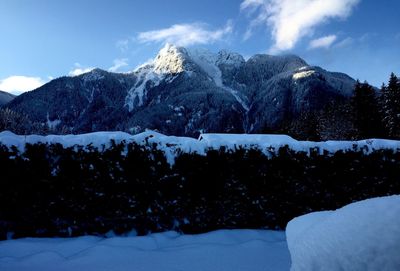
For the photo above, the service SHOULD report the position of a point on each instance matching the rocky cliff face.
(185, 92)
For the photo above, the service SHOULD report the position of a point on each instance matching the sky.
(44, 39)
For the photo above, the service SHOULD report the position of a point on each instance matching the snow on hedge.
(172, 145)
(220, 251)
(360, 236)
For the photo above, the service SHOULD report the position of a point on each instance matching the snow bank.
(274, 142)
(221, 250)
(360, 236)
(98, 139)
(172, 145)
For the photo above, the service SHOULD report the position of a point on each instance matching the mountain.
(185, 92)
(5, 97)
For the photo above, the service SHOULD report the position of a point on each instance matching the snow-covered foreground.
(361, 236)
(221, 250)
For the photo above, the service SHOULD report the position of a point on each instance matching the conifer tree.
(367, 118)
(391, 106)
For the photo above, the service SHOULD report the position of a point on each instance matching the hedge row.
(53, 191)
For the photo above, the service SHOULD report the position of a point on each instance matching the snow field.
(232, 250)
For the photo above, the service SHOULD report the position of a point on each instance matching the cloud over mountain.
(289, 20)
(18, 84)
(323, 42)
(186, 34)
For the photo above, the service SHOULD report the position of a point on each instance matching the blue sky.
(45, 39)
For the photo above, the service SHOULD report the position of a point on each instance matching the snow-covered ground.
(361, 236)
(221, 250)
(172, 145)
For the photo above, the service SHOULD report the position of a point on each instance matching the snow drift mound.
(360, 236)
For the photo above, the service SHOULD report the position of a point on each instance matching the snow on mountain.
(209, 63)
(219, 92)
(361, 236)
(147, 78)
(268, 66)
(93, 75)
(171, 60)
(230, 58)
(302, 74)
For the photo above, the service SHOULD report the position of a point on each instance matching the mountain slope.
(5, 97)
(185, 92)
(83, 103)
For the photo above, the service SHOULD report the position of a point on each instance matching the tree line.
(378, 114)
(369, 113)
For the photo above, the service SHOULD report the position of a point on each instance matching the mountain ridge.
(6, 97)
(186, 92)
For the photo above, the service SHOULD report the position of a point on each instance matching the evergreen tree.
(305, 127)
(13, 121)
(20, 123)
(367, 117)
(391, 106)
(336, 121)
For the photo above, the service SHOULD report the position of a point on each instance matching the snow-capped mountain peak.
(171, 59)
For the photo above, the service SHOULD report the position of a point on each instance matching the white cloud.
(122, 45)
(367, 37)
(18, 84)
(78, 70)
(118, 63)
(291, 20)
(324, 42)
(345, 43)
(185, 34)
